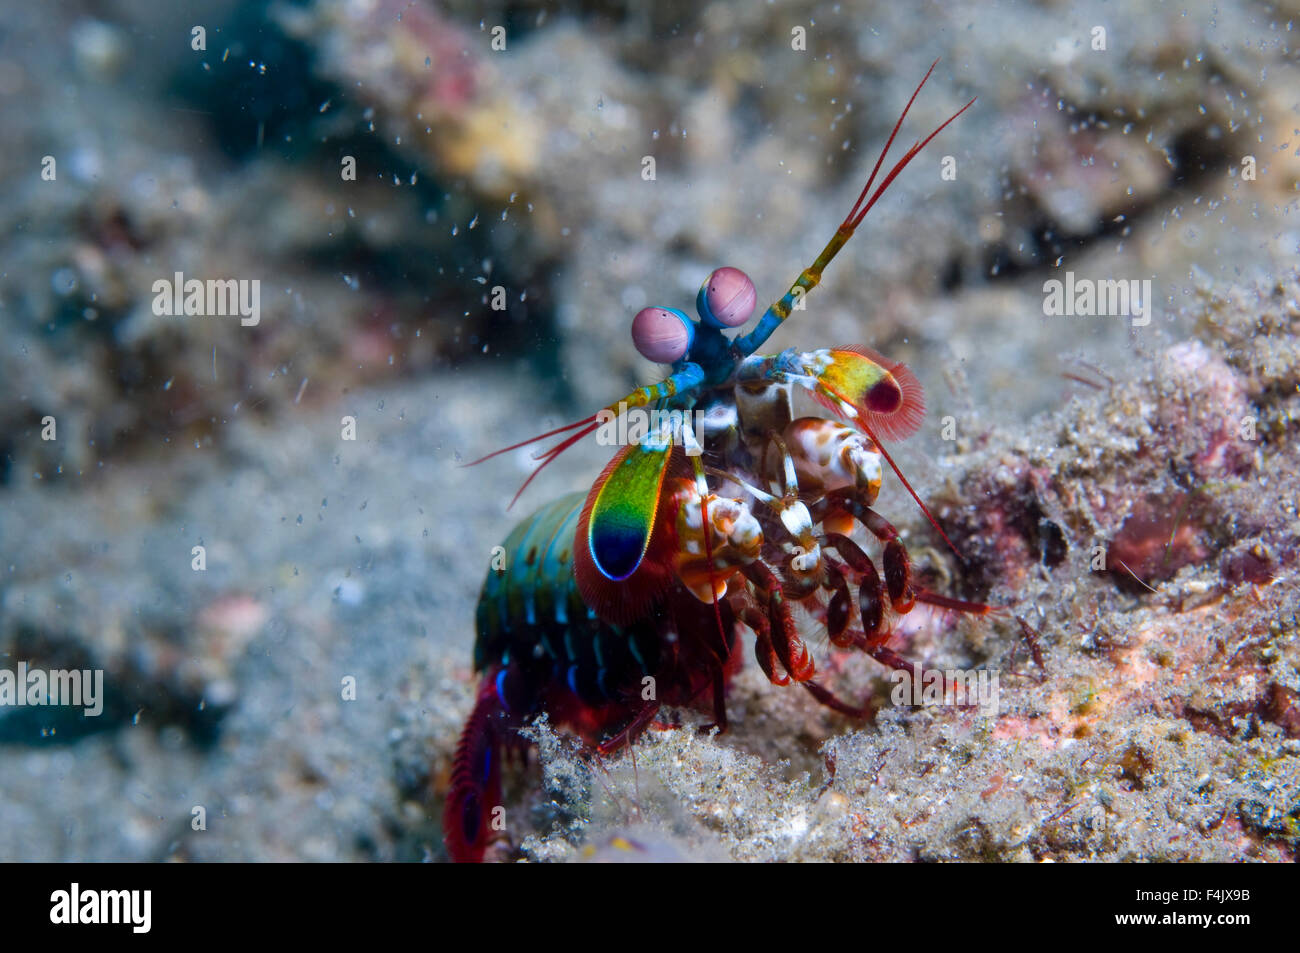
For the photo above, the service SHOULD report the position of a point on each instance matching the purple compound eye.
(727, 298)
(662, 335)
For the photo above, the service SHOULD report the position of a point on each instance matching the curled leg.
(839, 606)
(871, 590)
(764, 651)
(898, 565)
(789, 647)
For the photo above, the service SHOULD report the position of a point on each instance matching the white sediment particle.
(796, 826)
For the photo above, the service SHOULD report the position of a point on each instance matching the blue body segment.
(712, 352)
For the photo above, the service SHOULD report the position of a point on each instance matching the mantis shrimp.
(627, 597)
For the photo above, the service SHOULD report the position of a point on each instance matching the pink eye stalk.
(662, 335)
(727, 298)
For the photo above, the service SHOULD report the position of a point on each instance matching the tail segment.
(475, 778)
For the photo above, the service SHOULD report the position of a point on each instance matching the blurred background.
(501, 145)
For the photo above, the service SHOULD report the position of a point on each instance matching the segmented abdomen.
(535, 630)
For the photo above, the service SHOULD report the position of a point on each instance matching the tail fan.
(475, 779)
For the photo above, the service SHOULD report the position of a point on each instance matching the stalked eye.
(727, 298)
(662, 335)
